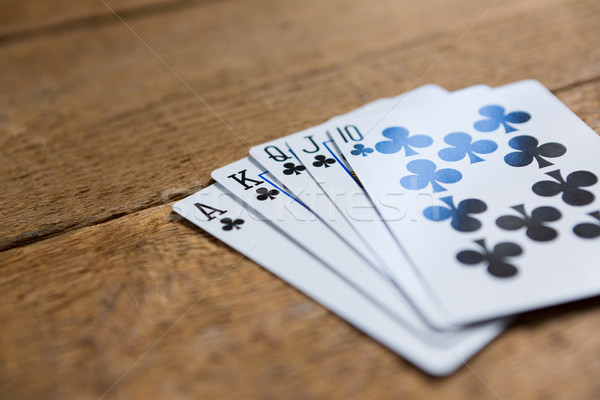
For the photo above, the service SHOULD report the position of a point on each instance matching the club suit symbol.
(460, 215)
(361, 150)
(529, 149)
(535, 223)
(587, 230)
(496, 116)
(264, 194)
(495, 259)
(463, 145)
(229, 224)
(291, 168)
(323, 161)
(426, 173)
(400, 139)
(570, 188)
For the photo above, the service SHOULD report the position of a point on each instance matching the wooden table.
(105, 293)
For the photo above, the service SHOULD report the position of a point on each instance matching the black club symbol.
(323, 161)
(264, 193)
(529, 149)
(461, 217)
(495, 259)
(291, 168)
(589, 230)
(535, 223)
(570, 188)
(229, 224)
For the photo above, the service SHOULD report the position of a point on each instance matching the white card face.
(225, 217)
(484, 195)
(337, 182)
(257, 188)
(293, 175)
(317, 152)
(284, 165)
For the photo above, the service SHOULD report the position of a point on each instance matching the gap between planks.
(99, 20)
(172, 197)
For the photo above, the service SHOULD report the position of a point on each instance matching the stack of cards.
(426, 220)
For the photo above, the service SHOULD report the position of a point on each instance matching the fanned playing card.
(225, 217)
(417, 217)
(268, 197)
(288, 169)
(319, 154)
(497, 193)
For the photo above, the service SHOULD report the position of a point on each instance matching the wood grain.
(97, 137)
(23, 20)
(95, 114)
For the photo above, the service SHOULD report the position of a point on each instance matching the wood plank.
(93, 126)
(79, 310)
(21, 20)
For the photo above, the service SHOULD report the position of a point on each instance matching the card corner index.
(258, 152)
(209, 211)
(242, 179)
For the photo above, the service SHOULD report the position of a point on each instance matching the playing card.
(493, 196)
(284, 165)
(317, 151)
(261, 191)
(225, 217)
